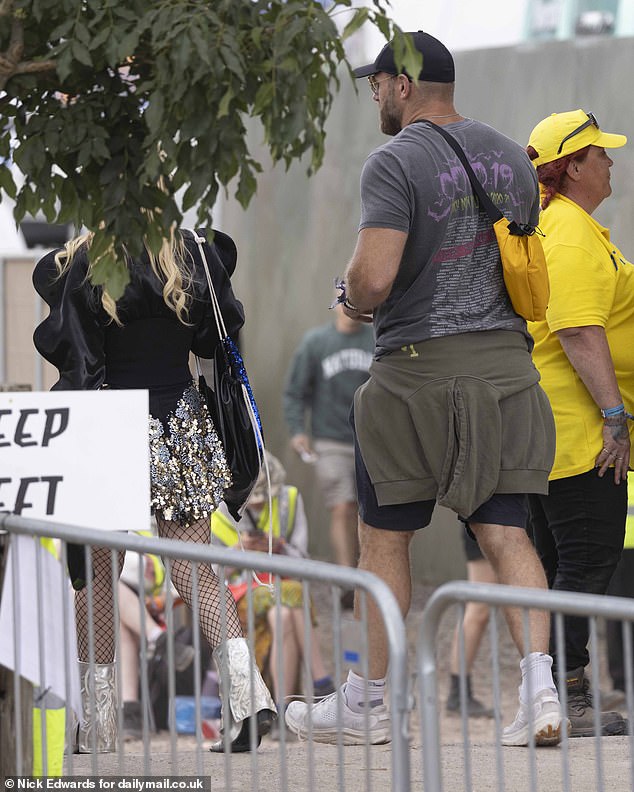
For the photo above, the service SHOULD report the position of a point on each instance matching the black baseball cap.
(438, 63)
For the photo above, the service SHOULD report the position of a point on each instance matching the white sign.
(76, 457)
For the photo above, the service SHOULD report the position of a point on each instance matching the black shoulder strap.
(487, 204)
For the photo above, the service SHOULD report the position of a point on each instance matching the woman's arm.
(298, 544)
(588, 351)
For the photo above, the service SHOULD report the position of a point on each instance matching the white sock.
(537, 675)
(358, 690)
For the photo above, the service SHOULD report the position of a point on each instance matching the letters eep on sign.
(31, 427)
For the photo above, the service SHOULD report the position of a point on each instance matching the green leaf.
(406, 55)
(246, 186)
(358, 20)
(81, 52)
(202, 45)
(232, 61)
(223, 108)
(48, 207)
(81, 34)
(100, 39)
(154, 112)
(263, 98)
(154, 238)
(101, 244)
(110, 272)
(64, 63)
(128, 45)
(7, 184)
(68, 201)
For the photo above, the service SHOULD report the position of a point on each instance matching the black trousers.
(578, 530)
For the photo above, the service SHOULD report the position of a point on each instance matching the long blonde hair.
(169, 266)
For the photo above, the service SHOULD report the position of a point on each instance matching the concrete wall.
(299, 232)
(20, 312)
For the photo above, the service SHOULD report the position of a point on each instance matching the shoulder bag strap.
(487, 204)
(220, 324)
(222, 334)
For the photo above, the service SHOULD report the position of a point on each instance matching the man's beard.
(390, 121)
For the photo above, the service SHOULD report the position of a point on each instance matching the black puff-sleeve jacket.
(75, 334)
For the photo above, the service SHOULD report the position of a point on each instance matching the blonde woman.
(144, 341)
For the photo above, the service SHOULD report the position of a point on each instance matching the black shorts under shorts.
(503, 509)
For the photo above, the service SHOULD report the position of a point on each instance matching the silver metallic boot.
(104, 718)
(235, 664)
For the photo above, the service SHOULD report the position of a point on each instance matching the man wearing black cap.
(453, 412)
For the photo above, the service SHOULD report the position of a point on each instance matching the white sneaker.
(355, 728)
(546, 722)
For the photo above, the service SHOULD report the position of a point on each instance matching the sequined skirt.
(188, 468)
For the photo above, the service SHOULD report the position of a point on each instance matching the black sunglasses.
(592, 121)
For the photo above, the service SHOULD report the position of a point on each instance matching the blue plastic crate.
(185, 711)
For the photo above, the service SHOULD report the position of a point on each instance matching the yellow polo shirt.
(629, 523)
(591, 283)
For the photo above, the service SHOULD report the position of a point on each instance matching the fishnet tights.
(102, 608)
(210, 589)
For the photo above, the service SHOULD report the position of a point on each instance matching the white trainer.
(546, 723)
(355, 728)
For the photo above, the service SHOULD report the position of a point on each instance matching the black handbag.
(232, 409)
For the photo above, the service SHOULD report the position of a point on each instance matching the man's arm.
(297, 400)
(373, 268)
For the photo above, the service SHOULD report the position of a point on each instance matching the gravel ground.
(584, 765)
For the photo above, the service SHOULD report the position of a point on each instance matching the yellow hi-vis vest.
(225, 529)
(159, 569)
(55, 719)
(629, 522)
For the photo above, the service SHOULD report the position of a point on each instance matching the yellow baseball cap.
(564, 133)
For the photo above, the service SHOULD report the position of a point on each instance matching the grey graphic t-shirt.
(450, 277)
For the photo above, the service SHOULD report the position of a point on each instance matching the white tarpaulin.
(47, 640)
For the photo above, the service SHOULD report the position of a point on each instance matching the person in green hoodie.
(331, 362)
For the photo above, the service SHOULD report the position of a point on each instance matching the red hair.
(552, 174)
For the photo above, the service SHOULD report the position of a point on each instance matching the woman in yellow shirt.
(585, 356)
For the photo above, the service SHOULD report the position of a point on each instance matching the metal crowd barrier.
(590, 764)
(273, 765)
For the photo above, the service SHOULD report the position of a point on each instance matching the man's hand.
(301, 444)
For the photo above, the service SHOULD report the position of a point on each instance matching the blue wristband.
(619, 410)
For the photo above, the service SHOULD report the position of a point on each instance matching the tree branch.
(16, 45)
(31, 67)
(10, 61)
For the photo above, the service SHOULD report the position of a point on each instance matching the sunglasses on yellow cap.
(592, 121)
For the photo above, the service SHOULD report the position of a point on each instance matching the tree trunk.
(8, 730)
